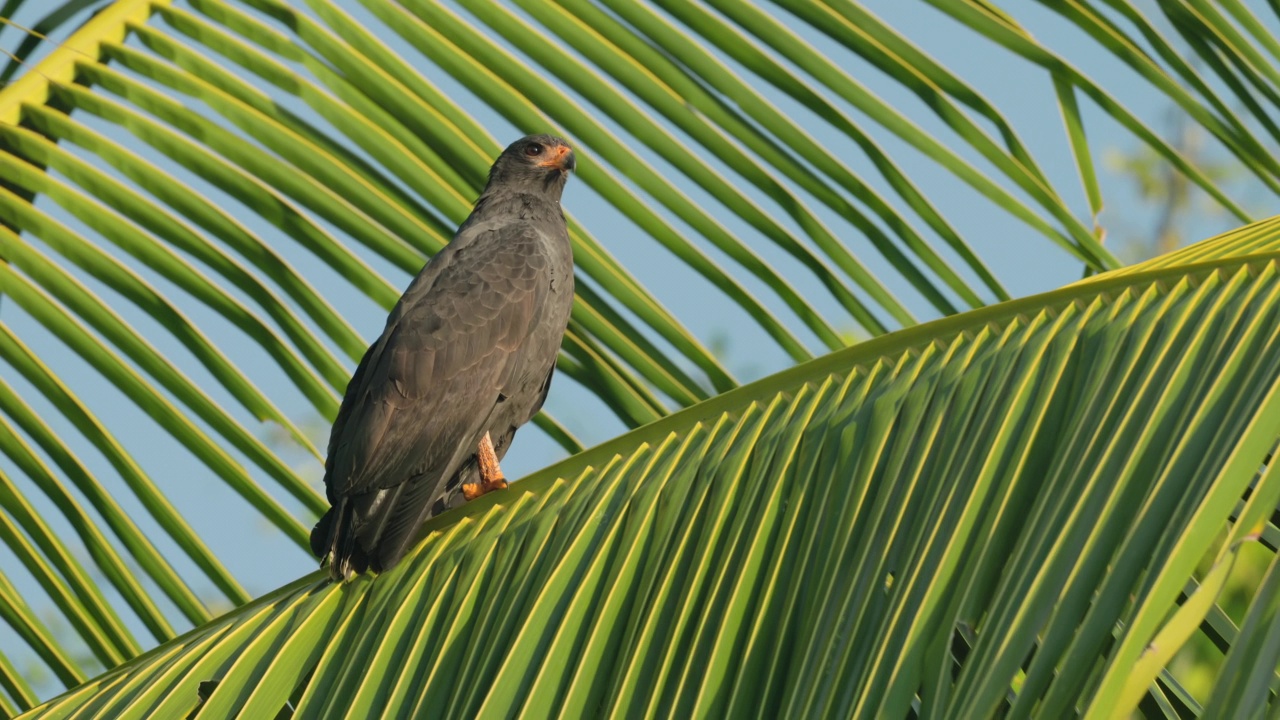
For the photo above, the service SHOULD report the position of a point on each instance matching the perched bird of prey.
(466, 358)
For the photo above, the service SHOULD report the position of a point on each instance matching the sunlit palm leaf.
(50, 23)
(195, 187)
(997, 512)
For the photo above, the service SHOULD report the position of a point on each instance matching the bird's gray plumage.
(470, 348)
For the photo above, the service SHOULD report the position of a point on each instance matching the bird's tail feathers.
(401, 511)
(383, 521)
(333, 542)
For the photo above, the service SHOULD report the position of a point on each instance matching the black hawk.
(466, 358)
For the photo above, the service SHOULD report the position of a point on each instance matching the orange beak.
(562, 159)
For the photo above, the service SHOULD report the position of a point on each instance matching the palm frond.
(207, 205)
(999, 512)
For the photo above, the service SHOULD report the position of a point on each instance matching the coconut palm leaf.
(205, 206)
(48, 25)
(1023, 510)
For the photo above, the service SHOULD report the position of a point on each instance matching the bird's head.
(536, 164)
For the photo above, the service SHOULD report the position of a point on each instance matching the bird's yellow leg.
(491, 477)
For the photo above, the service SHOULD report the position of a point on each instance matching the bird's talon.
(471, 491)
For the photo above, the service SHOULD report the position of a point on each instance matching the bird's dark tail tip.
(320, 535)
(328, 542)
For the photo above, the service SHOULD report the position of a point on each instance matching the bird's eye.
(532, 149)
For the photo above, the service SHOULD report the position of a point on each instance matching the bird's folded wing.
(440, 365)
